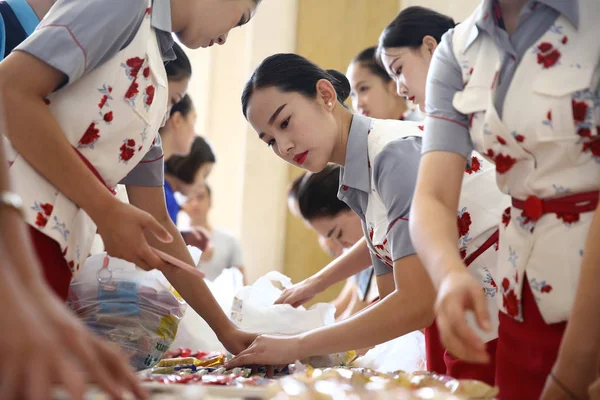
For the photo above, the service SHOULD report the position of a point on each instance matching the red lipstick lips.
(300, 158)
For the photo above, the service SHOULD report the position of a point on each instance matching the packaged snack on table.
(138, 310)
(332, 383)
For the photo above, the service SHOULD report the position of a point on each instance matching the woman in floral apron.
(82, 101)
(297, 108)
(407, 45)
(372, 96)
(518, 81)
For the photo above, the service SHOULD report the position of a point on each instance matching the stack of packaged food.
(184, 367)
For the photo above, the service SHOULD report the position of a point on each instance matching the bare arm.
(433, 214)
(385, 320)
(191, 287)
(344, 298)
(350, 263)
(31, 308)
(376, 324)
(33, 131)
(353, 261)
(36, 135)
(434, 234)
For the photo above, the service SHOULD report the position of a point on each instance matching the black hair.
(293, 73)
(410, 27)
(180, 68)
(184, 106)
(295, 187)
(186, 167)
(367, 59)
(316, 194)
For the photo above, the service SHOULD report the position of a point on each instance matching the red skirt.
(442, 362)
(526, 351)
(56, 270)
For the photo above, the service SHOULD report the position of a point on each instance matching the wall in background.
(248, 181)
(457, 9)
(330, 33)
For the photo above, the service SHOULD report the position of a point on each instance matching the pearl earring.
(329, 104)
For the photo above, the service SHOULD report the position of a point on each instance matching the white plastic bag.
(253, 309)
(136, 309)
(194, 333)
(406, 353)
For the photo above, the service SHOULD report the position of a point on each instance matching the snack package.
(136, 309)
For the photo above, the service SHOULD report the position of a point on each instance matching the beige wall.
(330, 33)
(248, 182)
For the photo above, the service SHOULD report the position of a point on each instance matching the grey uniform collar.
(161, 21)
(483, 21)
(355, 173)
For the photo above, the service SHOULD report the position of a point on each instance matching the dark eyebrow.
(243, 20)
(276, 113)
(330, 232)
(392, 63)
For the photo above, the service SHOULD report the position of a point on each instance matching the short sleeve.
(395, 175)
(446, 129)
(379, 266)
(151, 170)
(237, 259)
(77, 36)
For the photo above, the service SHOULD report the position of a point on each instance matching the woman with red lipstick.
(297, 109)
(373, 91)
(519, 82)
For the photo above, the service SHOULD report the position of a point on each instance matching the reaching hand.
(458, 293)
(300, 293)
(123, 229)
(237, 340)
(197, 236)
(44, 345)
(270, 351)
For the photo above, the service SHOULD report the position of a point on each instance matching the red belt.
(533, 207)
(94, 171)
(492, 240)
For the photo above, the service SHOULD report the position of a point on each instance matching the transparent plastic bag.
(253, 309)
(136, 309)
(406, 353)
(194, 333)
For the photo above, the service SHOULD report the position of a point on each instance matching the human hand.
(236, 340)
(300, 293)
(43, 345)
(270, 351)
(459, 292)
(123, 228)
(197, 236)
